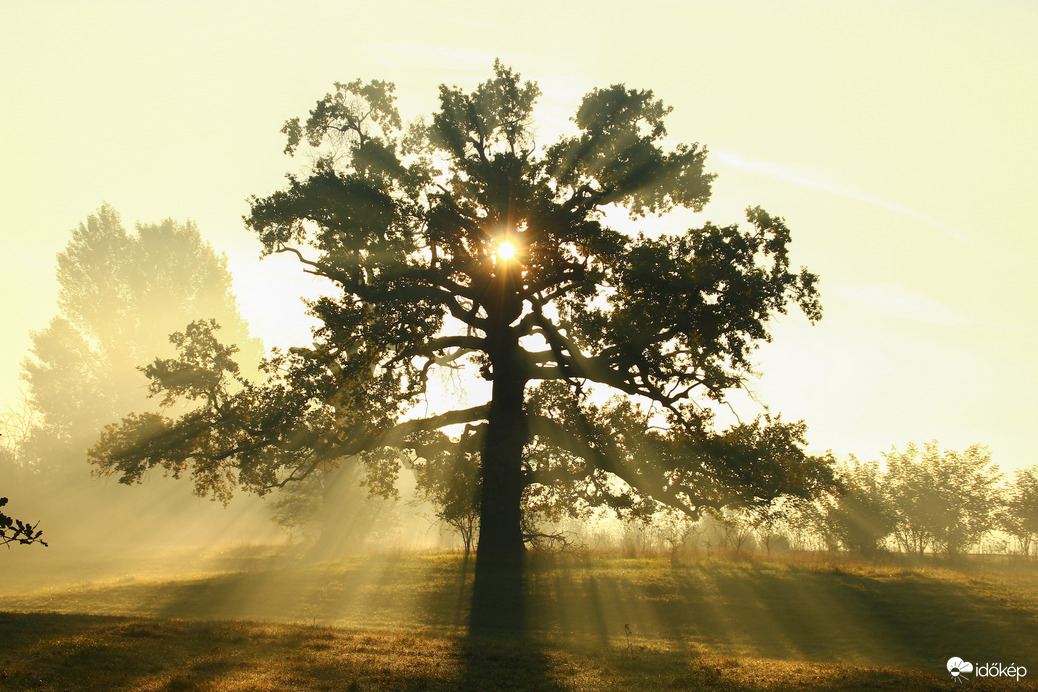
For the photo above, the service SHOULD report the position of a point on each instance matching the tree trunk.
(497, 597)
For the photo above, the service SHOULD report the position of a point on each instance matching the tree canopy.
(458, 242)
(943, 500)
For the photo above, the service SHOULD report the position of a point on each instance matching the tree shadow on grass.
(367, 591)
(73, 652)
(757, 610)
(505, 664)
(907, 619)
(43, 651)
(69, 652)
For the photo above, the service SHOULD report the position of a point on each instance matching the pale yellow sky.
(896, 138)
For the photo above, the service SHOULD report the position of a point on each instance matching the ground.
(258, 619)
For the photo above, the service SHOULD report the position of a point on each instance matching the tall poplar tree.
(121, 295)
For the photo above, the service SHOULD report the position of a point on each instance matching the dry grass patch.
(58, 652)
(597, 623)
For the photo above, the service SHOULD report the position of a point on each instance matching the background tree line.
(929, 500)
(912, 502)
(923, 500)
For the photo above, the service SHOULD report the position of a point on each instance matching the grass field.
(255, 619)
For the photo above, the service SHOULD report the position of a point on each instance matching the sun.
(505, 251)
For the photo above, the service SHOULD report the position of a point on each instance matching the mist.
(123, 293)
(213, 515)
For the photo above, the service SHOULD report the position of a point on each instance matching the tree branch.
(607, 460)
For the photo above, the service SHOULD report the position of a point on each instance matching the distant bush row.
(919, 501)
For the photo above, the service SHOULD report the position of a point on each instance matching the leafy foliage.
(861, 516)
(942, 500)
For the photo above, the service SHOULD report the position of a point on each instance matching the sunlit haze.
(896, 139)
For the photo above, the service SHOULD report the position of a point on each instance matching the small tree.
(1020, 518)
(736, 530)
(804, 524)
(769, 523)
(17, 425)
(942, 501)
(673, 531)
(332, 511)
(860, 515)
(450, 481)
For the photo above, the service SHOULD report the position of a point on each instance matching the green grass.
(398, 622)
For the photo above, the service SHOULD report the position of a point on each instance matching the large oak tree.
(458, 242)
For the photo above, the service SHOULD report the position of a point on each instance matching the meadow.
(262, 618)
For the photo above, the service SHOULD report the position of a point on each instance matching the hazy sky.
(898, 140)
